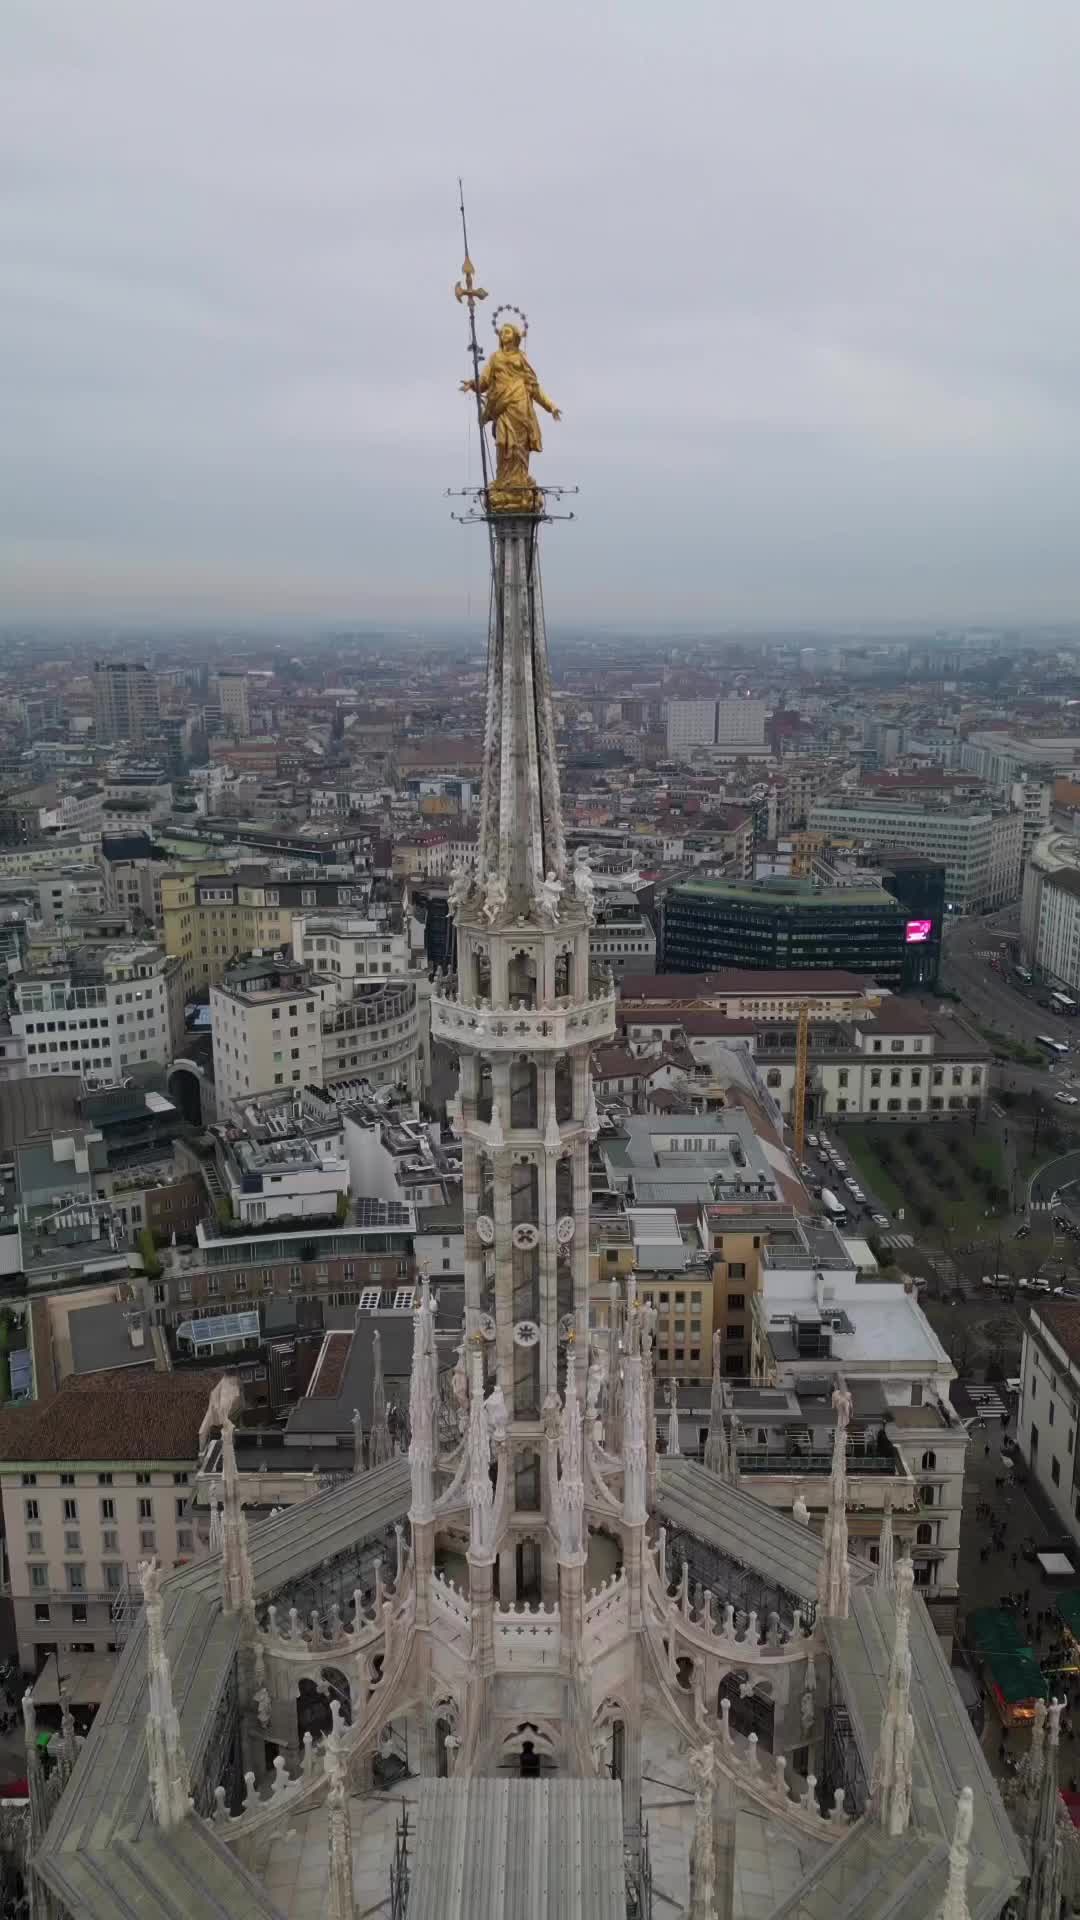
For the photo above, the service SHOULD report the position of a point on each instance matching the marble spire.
(340, 1902)
(478, 1445)
(380, 1431)
(568, 1484)
(886, 1557)
(955, 1904)
(358, 1465)
(702, 1769)
(169, 1786)
(423, 1387)
(237, 1579)
(635, 1452)
(833, 1576)
(892, 1784)
(1042, 1896)
(673, 1446)
(717, 1450)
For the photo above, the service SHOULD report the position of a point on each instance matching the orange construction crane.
(869, 1004)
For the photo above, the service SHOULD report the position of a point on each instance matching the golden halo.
(510, 309)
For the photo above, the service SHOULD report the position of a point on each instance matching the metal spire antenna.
(466, 292)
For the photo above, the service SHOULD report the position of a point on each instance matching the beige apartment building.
(210, 919)
(93, 1480)
(265, 1018)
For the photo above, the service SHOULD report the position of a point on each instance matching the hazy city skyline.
(804, 284)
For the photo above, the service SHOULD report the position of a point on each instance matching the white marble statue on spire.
(460, 889)
(495, 896)
(170, 1790)
(892, 1781)
(549, 895)
(584, 884)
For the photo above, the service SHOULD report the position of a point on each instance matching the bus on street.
(1063, 1004)
(1024, 975)
(1051, 1045)
(835, 1208)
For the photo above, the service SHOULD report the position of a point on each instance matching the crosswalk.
(1042, 1206)
(987, 1402)
(897, 1239)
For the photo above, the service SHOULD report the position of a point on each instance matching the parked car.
(811, 1139)
(880, 1219)
(850, 1184)
(1067, 1099)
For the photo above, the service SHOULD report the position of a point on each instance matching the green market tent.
(1016, 1676)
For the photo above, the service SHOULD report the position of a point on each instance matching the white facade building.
(813, 1320)
(727, 724)
(350, 946)
(1049, 1412)
(690, 723)
(265, 1019)
(119, 1010)
(93, 1481)
(229, 694)
(960, 836)
(278, 1175)
(741, 723)
(1050, 910)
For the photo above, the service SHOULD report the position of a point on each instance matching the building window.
(29, 1479)
(30, 1510)
(76, 1578)
(104, 1479)
(71, 1509)
(736, 1271)
(67, 1479)
(929, 1460)
(112, 1578)
(926, 1496)
(148, 1540)
(736, 1302)
(41, 1610)
(39, 1577)
(146, 1509)
(1055, 1471)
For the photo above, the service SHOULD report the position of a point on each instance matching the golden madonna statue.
(512, 393)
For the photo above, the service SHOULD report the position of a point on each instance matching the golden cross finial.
(468, 291)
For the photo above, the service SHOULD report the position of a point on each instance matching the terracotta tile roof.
(1061, 1318)
(99, 1417)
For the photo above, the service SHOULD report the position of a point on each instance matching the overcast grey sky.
(804, 277)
